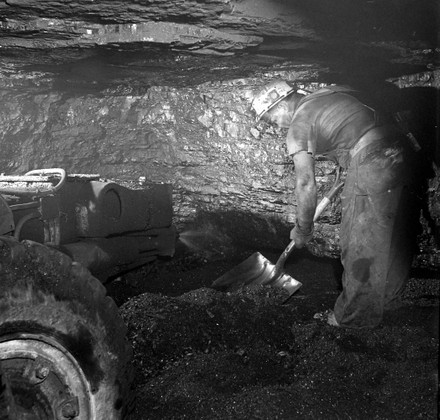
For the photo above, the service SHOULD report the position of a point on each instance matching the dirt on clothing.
(205, 354)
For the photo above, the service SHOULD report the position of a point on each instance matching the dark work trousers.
(376, 252)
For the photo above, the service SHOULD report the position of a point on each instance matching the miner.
(375, 246)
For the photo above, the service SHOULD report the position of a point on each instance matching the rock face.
(321, 30)
(213, 26)
(228, 173)
(162, 90)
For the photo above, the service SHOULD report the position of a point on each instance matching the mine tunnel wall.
(230, 176)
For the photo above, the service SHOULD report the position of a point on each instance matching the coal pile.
(205, 354)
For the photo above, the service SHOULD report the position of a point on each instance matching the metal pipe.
(53, 171)
(36, 191)
(22, 221)
(24, 206)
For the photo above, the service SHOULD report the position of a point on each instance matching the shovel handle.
(284, 255)
(337, 185)
(326, 200)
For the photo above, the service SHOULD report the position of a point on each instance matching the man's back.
(330, 124)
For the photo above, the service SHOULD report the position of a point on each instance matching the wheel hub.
(42, 380)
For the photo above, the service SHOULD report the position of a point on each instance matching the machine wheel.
(63, 347)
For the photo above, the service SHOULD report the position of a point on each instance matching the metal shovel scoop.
(257, 270)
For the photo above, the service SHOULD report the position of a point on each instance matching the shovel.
(257, 270)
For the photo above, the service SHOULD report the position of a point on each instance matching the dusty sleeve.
(299, 137)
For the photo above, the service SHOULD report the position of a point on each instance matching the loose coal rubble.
(249, 354)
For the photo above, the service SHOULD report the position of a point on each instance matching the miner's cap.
(269, 96)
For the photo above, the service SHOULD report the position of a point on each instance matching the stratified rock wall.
(226, 170)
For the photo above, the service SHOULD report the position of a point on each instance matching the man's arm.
(305, 197)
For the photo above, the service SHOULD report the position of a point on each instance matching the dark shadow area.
(345, 59)
(240, 230)
(413, 20)
(133, 68)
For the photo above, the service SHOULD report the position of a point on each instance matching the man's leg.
(402, 249)
(371, 244)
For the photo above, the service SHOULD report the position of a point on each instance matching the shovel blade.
(253, 271)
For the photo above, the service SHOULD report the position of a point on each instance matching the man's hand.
(300, 235)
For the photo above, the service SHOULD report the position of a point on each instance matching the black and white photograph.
(219, 209)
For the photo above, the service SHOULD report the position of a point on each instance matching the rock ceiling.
(184, 42)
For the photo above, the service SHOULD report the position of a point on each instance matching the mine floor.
(205, 354)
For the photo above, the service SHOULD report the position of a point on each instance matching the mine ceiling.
(141, 42)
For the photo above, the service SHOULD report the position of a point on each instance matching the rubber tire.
(43, 292)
